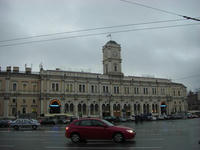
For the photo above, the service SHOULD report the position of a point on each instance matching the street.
(165, 135)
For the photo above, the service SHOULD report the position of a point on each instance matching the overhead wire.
(192, 76)
(94, 34)
(161, 10)
(90, 29)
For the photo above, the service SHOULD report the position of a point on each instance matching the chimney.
(16, 69)
(8, 69)
(28, 70)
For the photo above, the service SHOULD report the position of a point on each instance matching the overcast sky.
(171, 52)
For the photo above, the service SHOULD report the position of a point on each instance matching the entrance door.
(163, 108)
(54, 107)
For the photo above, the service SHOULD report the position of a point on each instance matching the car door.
(85, 129)
(99, 130)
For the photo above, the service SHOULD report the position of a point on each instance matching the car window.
(107, 123)
(97, 123)
(77, 123)
(85, 123)
(18, 121)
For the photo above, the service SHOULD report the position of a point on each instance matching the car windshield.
(107, 123)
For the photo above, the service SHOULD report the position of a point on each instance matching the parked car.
(45, 121)
(93, 128)
(24, 123)
(110, 118)
(5, 123)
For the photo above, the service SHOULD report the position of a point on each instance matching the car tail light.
(66, 128)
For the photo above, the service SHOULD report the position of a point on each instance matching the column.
(150, 108)
(100, 110)
(141, 109)
(76, 108)
(41, 106)
(88, 109)
(5, 108)
(111, 109)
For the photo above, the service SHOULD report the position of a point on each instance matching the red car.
(96, 129)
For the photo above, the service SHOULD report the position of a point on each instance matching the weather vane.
(109, 36)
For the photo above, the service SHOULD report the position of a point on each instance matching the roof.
(111, 42)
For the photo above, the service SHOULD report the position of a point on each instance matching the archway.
(55, 106)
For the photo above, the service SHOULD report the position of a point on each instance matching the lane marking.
(103, 147)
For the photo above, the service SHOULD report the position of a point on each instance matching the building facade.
(88, 94)
(193, 100)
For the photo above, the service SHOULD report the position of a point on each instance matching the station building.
(88, 94)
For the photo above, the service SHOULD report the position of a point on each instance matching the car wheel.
(75, 138)
(34, 127)
(16, 127)
(118, 137)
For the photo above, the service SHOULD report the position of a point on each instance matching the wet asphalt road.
(161, 135)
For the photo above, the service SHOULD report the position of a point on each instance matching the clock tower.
(112, 59)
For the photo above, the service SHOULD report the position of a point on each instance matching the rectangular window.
(116, 90)
(145, 91)
(105, 89)
(92, 89)
(14, 86)
(96, 89)
(154, 92)
(14, 100)
(53, 87)
(67, 88)
(57, 87)
(0, 85)
(136, 90)
(82, 88)
(71, 88)
(174, 92)
(162, 91)
(179, 93)
(126, 90)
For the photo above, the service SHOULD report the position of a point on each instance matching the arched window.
(153, 108)
(108, 107)
(114, 107)
(118, 107)
(71, 108)
(148, 108)
(96, 109)
(125, 107)
(84, 109)
(156, 108)
(144, 109)
(66, 108)
(79, 108)
(135, 108)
